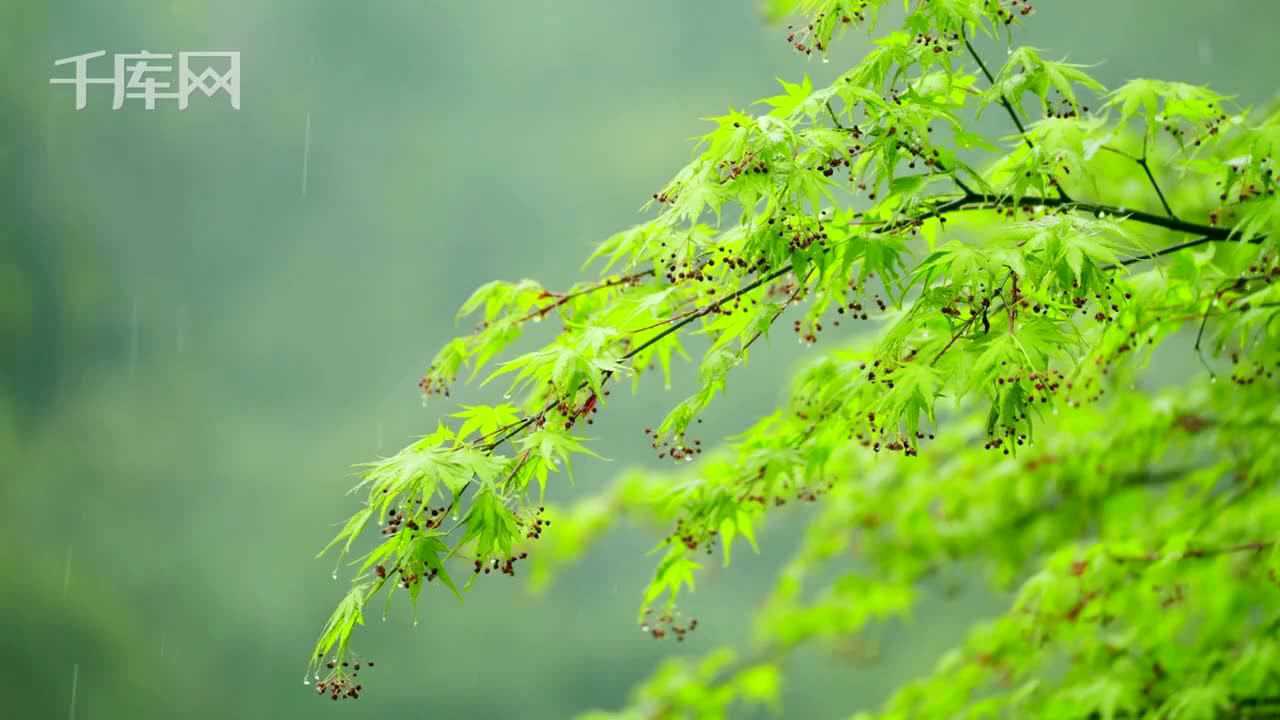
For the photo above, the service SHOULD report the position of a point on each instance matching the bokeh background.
(197, 344)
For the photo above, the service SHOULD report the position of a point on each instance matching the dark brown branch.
(1140, 216)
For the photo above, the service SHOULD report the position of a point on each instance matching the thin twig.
(800, 286)
(1146, 167)
(1008, 108)
(953, 174)
(1179, 247)
(562, 298)
(964, 327)
(1143, 163)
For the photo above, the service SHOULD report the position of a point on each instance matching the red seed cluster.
(1062, 108)
(692, 537)
(813, 492)
(937, 43)
(572, 412)
(1211, 128)
(675, 449)
(432, 384)
(749, 164)
(421, 518)
(1015, 9)
(1245, 374)
(536, 524)
(341, 684)
(808, 330)
(1244, 182)
(665, 624)
(804, 39)
(801, 232)
(506, 567)
(878, 435)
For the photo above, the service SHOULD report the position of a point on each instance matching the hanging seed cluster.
(660, 626)
(342, 683)
(1247, 373)
(506, 567)
(878, 436)
(421, 519)
(938, 43)
(693, 536)
(749, 164)
(1243, 182)
(807, 38)
(1011, 10)
(1061, 108)
(573, 412)
(535, 525)
(432, 384)
(675, 449)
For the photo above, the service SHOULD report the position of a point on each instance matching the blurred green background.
(194, 351)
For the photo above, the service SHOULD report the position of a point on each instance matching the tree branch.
(1197, 553)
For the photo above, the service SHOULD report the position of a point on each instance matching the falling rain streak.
(75, 688)
(66, 571)
(180, 328)
(306, 153)
(1204, 51)
(133, 339)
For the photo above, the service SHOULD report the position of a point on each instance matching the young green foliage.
(1016, 288)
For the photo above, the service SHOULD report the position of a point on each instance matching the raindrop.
(334, 575)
